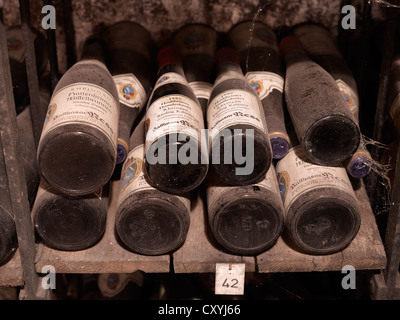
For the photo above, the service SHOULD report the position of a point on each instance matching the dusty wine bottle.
(320, 45)
(8, 232)
(130, 63)
(322, 212)
(148, 221)
(78, 145)
(262, 65)
(197, 44)
(245, 220)
(69, 223)
(324, 124)
(176, 157)
(16, 53)
(235, 123)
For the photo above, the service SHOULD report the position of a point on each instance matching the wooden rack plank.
(107, 256)
(198, 254)
(366, 252)
(11, 272)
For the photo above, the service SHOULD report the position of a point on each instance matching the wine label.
(130, 91)
(201, 89)
(83, 103)
(171, 114)
(233, 107)
(170, 77)
(263, 82)
(215, 191)
(196, 39)
(253, 34)
(133, 179)
(317, 40)
(350, 96)
(297, 175)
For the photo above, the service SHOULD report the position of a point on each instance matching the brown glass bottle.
(197, 44)
(148, 221)
(245, 220)
(70, 223)
(262, 65)
(130, 63)
(322, 212)
(176, 157)
(320, 45)
(236, 125)
(78, 145)
(8, 232)
(324, 124)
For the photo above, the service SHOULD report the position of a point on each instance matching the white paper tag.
(229, 278)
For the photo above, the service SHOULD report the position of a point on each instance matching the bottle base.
(76, 163)
(247, 226)
(70, 224)
(152, 226)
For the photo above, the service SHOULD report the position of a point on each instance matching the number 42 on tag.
(229, 278)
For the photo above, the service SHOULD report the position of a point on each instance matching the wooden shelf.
(199, 255)
(11, 272)
(107, 256)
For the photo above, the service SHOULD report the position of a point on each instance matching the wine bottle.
(176, 157)
(324, 124)
(262, 65)
(16, 54)
(322, 212)
(148, 221)
(320, 45)
(130, 64)
(235, 123)
(8, 232)
(70, 223)
(197, 44)
(78, 145)
(245, 220)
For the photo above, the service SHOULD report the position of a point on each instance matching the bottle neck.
(94, 48)
(169, 60)
(228, 62)
(292, 50)
(171, 67)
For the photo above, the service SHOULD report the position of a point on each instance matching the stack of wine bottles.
(266, 131)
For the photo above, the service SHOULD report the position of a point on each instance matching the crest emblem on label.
(283, 181)
(50, 112)
(163, 79)
(14, 44)
(128, 91)
(257, 86)
(146, 126)
(132, 168)
(347, 97)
